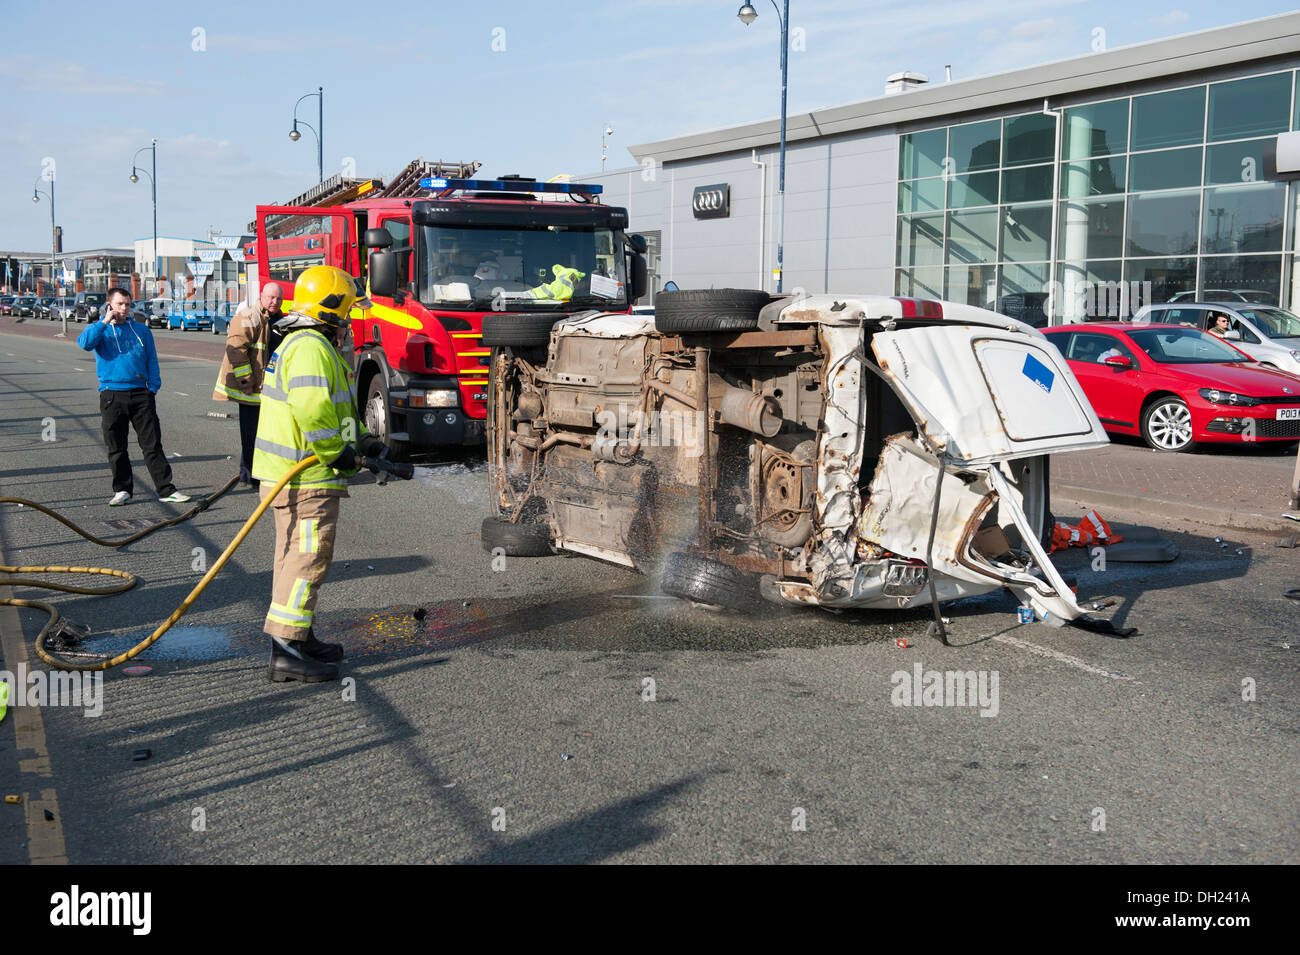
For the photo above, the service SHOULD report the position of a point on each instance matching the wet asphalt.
(561, 710)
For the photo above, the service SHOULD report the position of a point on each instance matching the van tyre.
(518, 330)
(375, 414)
(708, 582)
(516, 540)
(709, 310)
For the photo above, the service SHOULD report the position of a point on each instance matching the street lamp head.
(609, 130)
(747, 14)
(36, 196)
(134, 177)
(294, 134)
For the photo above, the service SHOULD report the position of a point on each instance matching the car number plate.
(1288, 414)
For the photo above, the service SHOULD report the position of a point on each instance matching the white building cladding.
(1156, 168)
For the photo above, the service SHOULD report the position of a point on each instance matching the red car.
(1174, 385)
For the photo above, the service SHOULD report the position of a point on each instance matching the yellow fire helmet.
(326, 294)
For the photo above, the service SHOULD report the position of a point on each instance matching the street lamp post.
(319, 131)
(153, 182)
(747, 15)
(36, 197)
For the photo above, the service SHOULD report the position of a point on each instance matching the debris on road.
(13, 800)
(1292, 542)
(1091, 529)
(49, 816)
(140, 755)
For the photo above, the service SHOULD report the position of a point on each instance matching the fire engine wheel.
(375, 414)
(709, 310)
(516, 540)
(708, 582)
(518, 330)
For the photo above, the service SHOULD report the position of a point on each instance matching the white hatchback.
(1266, 333)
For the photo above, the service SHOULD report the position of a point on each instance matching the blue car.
(222, 313)
(189, 316)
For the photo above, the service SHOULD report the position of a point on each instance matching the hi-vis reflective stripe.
(472, 354)
(282, 614)
(466, 335)
(239, 395)
(308, 538)
(474, 371)
(281, 450)
(274, 393)
(242, 371)
(322, 434)
(298, 598)
(309, 381)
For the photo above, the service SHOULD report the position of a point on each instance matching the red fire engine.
(521, 253)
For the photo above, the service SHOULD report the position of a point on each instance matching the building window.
(1257, 106)
(1165, 188)
(1176, 118)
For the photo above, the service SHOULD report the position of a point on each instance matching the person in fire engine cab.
(561, 287)
(308, 407)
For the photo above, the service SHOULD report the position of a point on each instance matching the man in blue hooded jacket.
(127, 365)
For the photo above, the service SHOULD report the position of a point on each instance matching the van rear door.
(985, 394)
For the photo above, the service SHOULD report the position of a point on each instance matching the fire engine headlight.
(441, 399)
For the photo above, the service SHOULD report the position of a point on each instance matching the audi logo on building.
(711, 202)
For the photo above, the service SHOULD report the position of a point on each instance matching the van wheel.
(518, 330)
(708, 582)
(709, 310)
(375, 415)
(516, 540)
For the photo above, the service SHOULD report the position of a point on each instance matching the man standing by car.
(250, 341)
(127, 365)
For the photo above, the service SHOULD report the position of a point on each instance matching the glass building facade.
(1159, 194)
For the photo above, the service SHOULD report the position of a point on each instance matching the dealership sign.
(711, 202)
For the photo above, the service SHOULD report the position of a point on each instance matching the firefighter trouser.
(304, 547)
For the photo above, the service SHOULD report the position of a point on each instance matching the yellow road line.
(45, 843)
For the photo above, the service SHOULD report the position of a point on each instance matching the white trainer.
(175, 497)
(120, 498)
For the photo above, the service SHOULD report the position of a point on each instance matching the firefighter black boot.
(319, 649)
(289, 662)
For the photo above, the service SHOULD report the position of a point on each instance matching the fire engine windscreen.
(474, 267)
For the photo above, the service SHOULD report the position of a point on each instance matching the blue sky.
(519, 86)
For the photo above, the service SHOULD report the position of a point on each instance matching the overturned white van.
(834, 450)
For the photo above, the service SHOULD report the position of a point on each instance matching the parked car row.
(154, 312)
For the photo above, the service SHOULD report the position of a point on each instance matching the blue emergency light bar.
(512, 185)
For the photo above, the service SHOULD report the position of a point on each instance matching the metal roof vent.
(904, 81)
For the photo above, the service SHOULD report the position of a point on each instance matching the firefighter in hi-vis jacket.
(308, 407)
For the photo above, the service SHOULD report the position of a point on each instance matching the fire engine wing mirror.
(638, 279)
(636, 243)
(377, 239)
(383, 271)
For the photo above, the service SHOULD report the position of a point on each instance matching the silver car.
(1266, 333)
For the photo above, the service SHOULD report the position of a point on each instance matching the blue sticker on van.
(1038, 373)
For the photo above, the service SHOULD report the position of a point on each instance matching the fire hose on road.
(380, 466)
